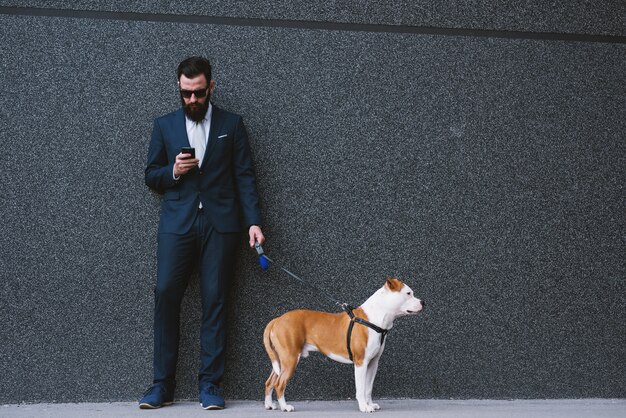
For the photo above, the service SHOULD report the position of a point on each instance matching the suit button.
(202, 172)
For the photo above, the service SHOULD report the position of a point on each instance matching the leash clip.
(348, 309)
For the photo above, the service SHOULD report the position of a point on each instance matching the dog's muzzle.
(415, 312)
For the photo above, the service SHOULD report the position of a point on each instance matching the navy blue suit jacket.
(225, 183)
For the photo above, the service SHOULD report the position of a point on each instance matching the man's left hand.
(256, 234)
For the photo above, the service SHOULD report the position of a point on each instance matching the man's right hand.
(184, 163)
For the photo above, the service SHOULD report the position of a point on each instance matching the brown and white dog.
(295, 333)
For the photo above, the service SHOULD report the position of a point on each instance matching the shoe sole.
(149, 406)
(211, 407)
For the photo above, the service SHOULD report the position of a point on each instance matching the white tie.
(198, 139)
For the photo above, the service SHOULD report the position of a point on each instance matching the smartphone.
(189, 150)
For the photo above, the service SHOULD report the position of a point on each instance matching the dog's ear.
(393, 284)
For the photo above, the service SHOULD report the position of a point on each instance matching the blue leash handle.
(263, 260)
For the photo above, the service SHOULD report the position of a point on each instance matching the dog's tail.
(269, 346)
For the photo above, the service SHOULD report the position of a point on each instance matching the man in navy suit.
(207, 199)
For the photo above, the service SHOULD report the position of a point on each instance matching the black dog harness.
(353, 319)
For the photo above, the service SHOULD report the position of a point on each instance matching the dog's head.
(400, 299)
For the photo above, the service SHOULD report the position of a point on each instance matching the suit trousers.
(212, 254)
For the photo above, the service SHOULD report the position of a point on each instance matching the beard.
(196, 111)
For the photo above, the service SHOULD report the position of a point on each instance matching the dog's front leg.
(360, 381)
(372, 368)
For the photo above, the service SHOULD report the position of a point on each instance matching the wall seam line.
(309, 25)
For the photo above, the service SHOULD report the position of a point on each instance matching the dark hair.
(193, 67)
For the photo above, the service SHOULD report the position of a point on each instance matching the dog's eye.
(408, 293)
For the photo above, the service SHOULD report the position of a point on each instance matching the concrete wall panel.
(487, 173)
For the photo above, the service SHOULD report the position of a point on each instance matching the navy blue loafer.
(156, 396)
(211, 397)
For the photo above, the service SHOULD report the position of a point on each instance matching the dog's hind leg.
(270, 384)
(288, 368)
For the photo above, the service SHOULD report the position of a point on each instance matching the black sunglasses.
(200, 93)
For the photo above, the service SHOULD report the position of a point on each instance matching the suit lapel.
(216, 126)
(181, 129)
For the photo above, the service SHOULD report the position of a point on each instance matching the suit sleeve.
(244, 177)
(159, 173)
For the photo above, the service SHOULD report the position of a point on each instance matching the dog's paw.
(375, 406)
(366, 408)
(288, 408)
(284, 406)
(269, 403)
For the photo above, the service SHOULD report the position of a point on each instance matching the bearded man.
(204, 197)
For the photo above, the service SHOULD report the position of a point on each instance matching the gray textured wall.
(485, 169)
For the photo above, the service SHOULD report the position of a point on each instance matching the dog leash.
(264, 261)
